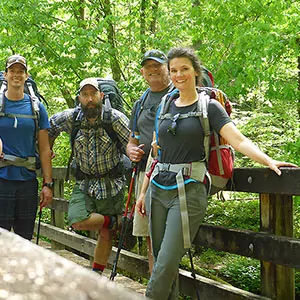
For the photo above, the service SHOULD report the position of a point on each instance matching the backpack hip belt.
(11, 160)
(195, 170)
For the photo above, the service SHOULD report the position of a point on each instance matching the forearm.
(247, 148)
(45, 157)
(144, 186)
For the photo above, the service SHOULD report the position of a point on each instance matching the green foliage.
(225, 214)
(247, 45)
(242, 272)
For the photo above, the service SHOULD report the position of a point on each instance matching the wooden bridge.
(274, 245)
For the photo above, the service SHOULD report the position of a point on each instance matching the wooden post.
(276, 217)
(58, 217)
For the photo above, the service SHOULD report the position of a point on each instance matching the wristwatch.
(49, 185)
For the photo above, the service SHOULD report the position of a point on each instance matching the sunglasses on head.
(172, 128)
(16, 59)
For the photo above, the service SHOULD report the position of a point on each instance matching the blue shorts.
(18, 206)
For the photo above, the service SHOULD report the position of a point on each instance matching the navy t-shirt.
(187, 145)
(18, 136)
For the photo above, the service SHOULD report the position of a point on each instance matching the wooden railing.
(274, 245)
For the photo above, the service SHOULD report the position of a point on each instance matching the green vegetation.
(252, 48)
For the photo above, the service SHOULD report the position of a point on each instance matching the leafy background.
(251, 47)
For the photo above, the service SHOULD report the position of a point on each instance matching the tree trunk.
(154, 10)
(298, 103)
(111, 37)
(143, 25)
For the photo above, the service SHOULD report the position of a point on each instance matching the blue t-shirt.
(18, 135)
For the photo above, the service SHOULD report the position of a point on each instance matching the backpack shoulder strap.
(76, 124)
(2, 90)
(139, 108)
(202, 106)
(161, 112)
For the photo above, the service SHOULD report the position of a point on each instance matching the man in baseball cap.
(156, 55)
(16, 59)
(97, 200)
(155, 72)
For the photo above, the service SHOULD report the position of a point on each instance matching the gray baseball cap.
(156, 55)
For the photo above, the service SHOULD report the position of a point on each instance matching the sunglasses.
(16, 59)
(172, 128)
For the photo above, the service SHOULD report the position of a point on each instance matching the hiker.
(177, 209)
(155, 72)
(20, 135)
(98, 196)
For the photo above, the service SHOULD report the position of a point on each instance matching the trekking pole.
(125, 222)
(39, 226)
(193, 274)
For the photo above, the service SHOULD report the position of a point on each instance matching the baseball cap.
(16, 59)
(89, 81)
(156, 55)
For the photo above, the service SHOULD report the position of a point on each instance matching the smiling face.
(156, 75)
(16, 76)
(182, 73)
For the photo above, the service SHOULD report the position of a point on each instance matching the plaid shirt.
(94, 151)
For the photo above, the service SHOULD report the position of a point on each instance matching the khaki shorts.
(82, 205)
(140, 224)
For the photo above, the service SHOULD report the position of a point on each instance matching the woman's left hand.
(275, 165)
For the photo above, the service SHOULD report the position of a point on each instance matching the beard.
(91, 111)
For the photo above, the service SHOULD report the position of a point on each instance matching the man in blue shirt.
(22, 129)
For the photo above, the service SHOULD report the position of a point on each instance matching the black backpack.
(113, 97)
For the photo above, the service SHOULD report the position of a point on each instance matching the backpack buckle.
(186, 171)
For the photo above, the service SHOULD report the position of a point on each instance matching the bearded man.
(98, 196)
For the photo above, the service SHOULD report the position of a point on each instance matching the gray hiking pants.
(167, 238)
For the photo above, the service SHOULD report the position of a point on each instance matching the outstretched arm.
(242, 144)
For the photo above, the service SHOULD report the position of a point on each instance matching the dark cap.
(89, 81)
(16, 59)
(156, 55)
